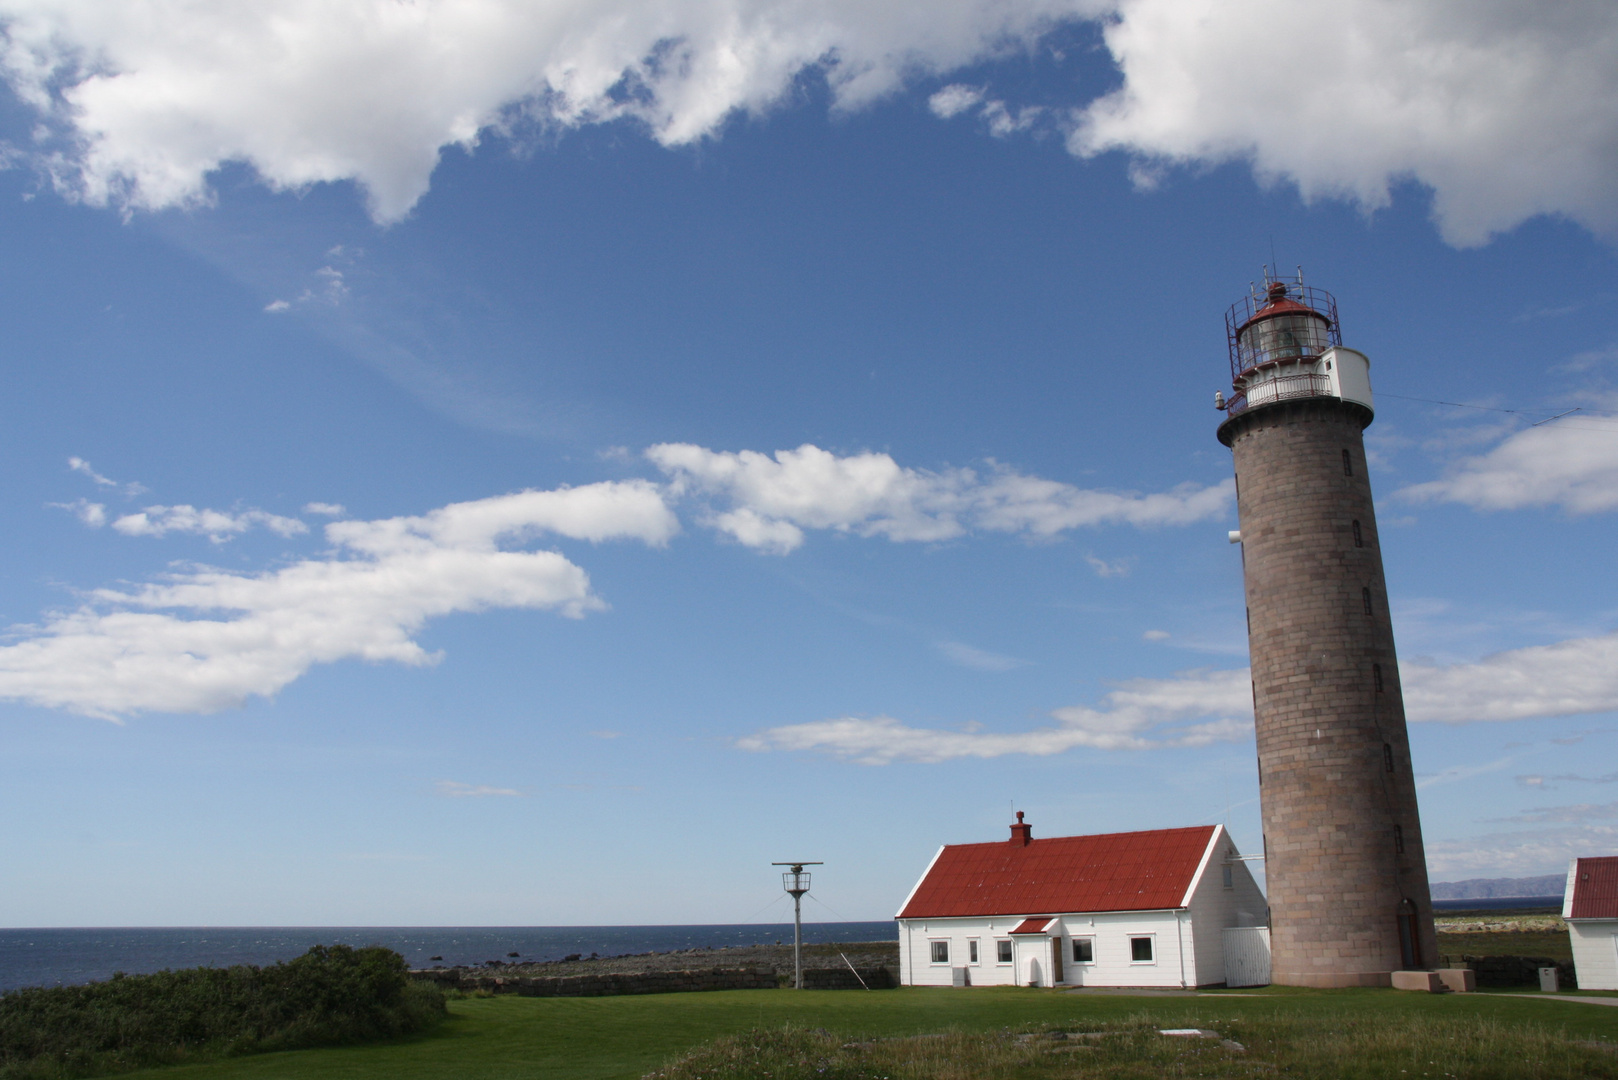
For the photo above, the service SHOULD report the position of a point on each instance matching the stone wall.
(471, 980)
(647, 982)
(1519, 970)
(1337, 790)
(843, 979)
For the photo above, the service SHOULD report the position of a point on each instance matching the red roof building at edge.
(1157, 908)
(1590, 906)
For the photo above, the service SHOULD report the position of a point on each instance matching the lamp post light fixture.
(796, 882)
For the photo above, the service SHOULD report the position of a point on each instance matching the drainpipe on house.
(1179, 935)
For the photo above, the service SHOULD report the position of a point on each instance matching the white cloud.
(1571, 464)
(769, 501)
(1199, 707)
(1539, 781)
(1518, 854)
(969, 656)
(205, 639)
(1191, 709)
(454, 789)
(954, 100)
(93, 514)
(1002, 120)
(275, 307)
(1505, 109)
(148, 100)
(1105, 569)
(325, 509)
(1567, 678)
(217, 525)
(1456, 773)
(1592, 358)
(1155, 635)
(1575, 814)
(79, 465)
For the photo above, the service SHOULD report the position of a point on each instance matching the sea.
(1499, 903)
(67, 956)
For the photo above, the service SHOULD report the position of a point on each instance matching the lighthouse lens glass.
(1284, 337)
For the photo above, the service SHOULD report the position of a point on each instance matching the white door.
(1247, 956)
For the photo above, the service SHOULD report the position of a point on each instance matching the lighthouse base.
(1331, 980)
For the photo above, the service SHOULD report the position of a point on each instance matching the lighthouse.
(1345, 873)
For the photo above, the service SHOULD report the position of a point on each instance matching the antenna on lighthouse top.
(796, 882)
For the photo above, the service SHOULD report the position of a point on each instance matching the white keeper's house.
(1164, 908)
(1590, 907)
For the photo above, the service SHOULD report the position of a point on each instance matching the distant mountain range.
(1488, 888)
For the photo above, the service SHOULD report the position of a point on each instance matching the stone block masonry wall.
(648, 982)
(1342, 834)
(1498, 971)
(651, 982)
(844, 979)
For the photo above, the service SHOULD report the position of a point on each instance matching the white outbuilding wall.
(1216, 906)
(1595, 952)
(1187, 944)
(1111, 934)
(1595, 941)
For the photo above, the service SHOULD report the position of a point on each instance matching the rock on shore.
(863, 954)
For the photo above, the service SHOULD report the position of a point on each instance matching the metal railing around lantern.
(1305, 342)
(1280, 388)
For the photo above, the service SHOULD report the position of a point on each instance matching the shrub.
(329, 996)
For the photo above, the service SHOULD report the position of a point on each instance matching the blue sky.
(518, 465)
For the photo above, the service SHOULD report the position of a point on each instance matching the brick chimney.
(1020, 833)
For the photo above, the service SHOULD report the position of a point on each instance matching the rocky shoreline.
(864, 955)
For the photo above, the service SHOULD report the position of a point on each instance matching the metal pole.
(796, 882)
(797, 941)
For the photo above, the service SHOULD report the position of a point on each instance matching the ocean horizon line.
(60, 955)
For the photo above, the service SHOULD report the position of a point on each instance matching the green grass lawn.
(591, 1038)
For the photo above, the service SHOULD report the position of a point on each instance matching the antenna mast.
(796, 882)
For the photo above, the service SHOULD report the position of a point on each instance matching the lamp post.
(796, 882)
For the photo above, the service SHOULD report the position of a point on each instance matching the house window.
(1387, 756)
(940, 952)
(1230, 876)
(1003, 951)
(1365, 595)
(1359, 538)
(1376, 677)
(1348, 464)
(1140, 950)
(1084, 950)
(972, 950)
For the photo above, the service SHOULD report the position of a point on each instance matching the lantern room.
(1285, 342)
(1290, 324)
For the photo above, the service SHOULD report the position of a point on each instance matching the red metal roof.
(1595, 889)
(1276, 309)
(1036, 925)
(1134, 871)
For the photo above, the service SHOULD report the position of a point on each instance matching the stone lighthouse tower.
(1347, 882)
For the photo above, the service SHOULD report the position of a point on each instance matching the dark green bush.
(329, 996)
